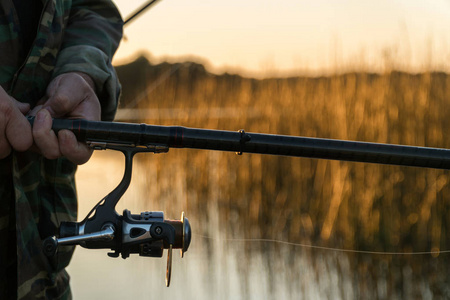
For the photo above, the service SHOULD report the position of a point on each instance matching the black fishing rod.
(100, 134)
(139, 11)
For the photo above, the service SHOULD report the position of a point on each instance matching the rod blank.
(241, 142)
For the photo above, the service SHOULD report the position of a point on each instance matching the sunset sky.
(292, 36)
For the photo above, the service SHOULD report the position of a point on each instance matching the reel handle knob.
(50, 246)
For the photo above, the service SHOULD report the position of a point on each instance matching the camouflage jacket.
(36, 194)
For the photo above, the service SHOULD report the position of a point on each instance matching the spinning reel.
(146, 234)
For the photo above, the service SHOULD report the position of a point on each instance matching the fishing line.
(258, 240)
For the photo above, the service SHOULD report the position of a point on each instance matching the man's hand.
(15, 130)
(69, 95)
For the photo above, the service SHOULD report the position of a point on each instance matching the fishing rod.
(139, 11)
(148, 233)
(103, 134)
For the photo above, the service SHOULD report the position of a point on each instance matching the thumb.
(23, 107)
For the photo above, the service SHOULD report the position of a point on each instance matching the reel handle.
(51, 243)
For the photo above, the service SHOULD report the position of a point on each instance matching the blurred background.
(356, 70)
(261, 38)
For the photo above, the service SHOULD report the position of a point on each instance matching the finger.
(23, 107)
(76, 152)
(18, 132)
(89, 109)
(65, 93)
(44, 137)
(15, 130)
(34, 111)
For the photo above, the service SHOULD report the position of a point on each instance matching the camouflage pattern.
(36, 194)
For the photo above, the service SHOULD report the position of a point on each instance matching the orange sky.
(293, 36)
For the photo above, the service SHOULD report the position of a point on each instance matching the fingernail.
(62, 136)
(41, 116)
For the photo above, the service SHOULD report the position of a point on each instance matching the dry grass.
(329, 203)
(350, 205)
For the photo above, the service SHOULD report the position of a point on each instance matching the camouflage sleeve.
(91, 37)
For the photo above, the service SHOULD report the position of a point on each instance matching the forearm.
(92, 35)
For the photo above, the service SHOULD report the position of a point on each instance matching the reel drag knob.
(186, 234)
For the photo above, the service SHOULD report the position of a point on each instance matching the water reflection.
(219, 264)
